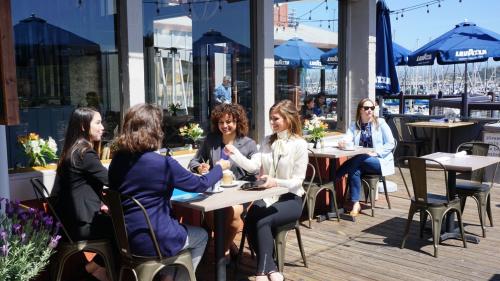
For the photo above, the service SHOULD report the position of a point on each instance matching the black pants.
(260, 222)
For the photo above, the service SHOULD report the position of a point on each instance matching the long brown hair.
(142, 129)
(77, 139)
(289, 112)
(358, 113)
(238, 114)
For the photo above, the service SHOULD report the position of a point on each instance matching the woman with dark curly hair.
(229, 125)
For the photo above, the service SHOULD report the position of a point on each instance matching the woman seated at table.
(367, 131)
(282, 160)
(307, 111)
(320, 107)
(79, 181)
(139, 171)
(229, 125)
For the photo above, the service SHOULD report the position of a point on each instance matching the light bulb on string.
(190, 10)
(220, 5)
(439, 4)
(309, 15)
(427, 8)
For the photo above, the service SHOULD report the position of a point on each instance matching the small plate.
(348, 149)
(217, 191)
(229, 185)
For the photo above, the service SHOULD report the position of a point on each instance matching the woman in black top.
(79, 183)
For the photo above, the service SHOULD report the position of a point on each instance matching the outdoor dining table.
(334, 153)
(216, 202)
(453, 163)
(434, 126)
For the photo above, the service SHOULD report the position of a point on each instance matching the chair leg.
(481, 208)
(423, 220)
(280, 244)
(461, 226)
(334, 199)
(301, 247)
(411, 212)
(385, 191)
(488, 210)
(463, 199)
(437, 220)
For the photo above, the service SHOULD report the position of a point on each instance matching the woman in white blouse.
(282, 161)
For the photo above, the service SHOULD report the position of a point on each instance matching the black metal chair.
(370, 182)
(435, 205)
(406, 138)
(314, 188)
(474, 187)
(144, 268)
(65, 249)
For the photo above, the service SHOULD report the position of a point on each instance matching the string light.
(309, 15)
(427, 5)
(427, 8)
(220, 5)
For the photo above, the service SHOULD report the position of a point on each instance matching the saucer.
(349, 149)
(212, 191)
(229, 185)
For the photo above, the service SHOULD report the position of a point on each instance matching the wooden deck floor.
(368, 249)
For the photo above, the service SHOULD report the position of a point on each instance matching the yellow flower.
(33, 136)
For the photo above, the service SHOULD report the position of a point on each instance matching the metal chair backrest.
(397, 124)
(404, 131)
(418, 167)
(114, 200)
(317, 166)
(481, 149)
(310, 182)
(42, 194)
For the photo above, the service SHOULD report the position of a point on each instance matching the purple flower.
(9, 209)
(5, 250)
(16, 228)
(23, 217)
(23, 237)
(58, 226)
(54, 241)
(48, 222)
(3, 234)
(35, 224)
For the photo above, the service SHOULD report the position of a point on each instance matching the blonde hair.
(358, 114)
(289, 112)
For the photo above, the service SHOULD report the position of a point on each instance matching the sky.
(418, 27)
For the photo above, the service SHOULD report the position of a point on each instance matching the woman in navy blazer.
(138, 171)
(229, 126)
(367, 131)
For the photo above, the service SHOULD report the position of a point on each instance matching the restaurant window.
(190, 47)
(66, 57)
(305, 44)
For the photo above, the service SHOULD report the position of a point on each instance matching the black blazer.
(212, 147)
(79, 189)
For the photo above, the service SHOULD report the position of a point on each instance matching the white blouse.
(285, 160)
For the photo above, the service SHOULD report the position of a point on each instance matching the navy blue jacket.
(151, 178)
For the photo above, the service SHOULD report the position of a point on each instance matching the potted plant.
(38, 150)
(192, 132)
(27, 240)
(316, 130)
(173, 108)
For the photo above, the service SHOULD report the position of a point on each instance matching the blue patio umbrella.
(465, 43)
(296, 53)
(400, 54)
(385, 69)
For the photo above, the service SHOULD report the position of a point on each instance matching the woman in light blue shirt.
(367, 131)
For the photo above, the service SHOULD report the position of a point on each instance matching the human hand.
(270, 181)
(372, 153)
(203, 168)
(341, 144)
(104, 208)
(229, 149)
(225, 164)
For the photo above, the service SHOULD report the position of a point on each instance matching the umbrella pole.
(453, 88)
(465, 97)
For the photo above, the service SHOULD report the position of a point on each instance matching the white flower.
(36, 150)
(52, 144)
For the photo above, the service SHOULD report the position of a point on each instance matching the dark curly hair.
(234, 110)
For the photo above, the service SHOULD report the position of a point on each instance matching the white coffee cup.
(227, 177)
(349, 145)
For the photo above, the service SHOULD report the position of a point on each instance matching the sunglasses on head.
(365, 108)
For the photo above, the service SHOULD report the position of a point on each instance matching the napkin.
(462, 153)
(442, 158)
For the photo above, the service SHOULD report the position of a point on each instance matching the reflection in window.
(191, 47)
(301, 72)
(66, 56)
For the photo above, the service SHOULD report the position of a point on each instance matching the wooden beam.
(9, 114)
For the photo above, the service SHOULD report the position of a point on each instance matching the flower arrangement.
(37, 149)
(192, 131)
(173, 108)
(27, 240)
(316, 129)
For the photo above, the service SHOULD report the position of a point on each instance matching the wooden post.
(9, 109)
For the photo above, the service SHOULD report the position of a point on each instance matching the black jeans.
(260, 222)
